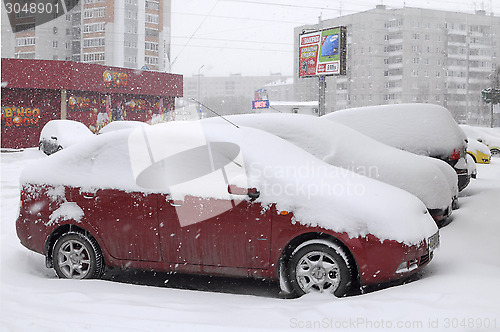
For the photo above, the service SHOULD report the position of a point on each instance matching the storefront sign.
(20, 117)
(114, 79)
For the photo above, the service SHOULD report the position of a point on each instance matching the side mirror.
(253, 193)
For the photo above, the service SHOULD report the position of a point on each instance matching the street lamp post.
(199, 103)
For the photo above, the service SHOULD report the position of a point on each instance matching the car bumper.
(400, 260)
(463, 179)
(440, 215)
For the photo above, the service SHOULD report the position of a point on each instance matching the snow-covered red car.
(423, 129)
(219, 200)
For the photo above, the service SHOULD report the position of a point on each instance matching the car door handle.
(88, 195)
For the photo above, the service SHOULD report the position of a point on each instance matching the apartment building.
(411, 55)
(127, 33)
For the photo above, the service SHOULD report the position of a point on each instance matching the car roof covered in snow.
(67, 132)
(424, 129)
(120, 125)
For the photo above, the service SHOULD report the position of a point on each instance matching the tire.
(77, 256)
(320, 267)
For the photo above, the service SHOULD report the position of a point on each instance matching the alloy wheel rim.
(74, 259)
(318, 271)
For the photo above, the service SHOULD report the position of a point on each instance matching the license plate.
(433, 241)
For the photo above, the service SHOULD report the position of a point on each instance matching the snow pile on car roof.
(424, 129)
(316, 192)
(120, 125)
(67, 132)
(342, 146)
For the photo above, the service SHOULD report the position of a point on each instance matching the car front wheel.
(319, 267)
(77, 256)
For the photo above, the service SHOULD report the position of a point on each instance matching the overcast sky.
(255, 37)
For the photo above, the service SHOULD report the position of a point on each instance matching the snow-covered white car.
(423, 129)
(486, 136)
(219, 200)
(344, 147)
(120, 125)
(60, 134)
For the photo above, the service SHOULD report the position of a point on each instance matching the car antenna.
(211, 110)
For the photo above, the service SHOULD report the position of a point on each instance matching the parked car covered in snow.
(120, 125)
(344, 147)
(423, 129)
(479, 152)
(219, 200)
(486, 136)
(59, 134)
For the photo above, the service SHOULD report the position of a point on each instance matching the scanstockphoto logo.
(27, 14)
(197, 173)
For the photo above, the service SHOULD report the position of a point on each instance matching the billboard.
(323, 52)
(258, 104)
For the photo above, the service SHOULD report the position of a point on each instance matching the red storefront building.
(37, 91)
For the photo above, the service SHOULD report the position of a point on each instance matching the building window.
(26, 26)
(153, 5)
(152, 18)
(151, 60)
(93, 42)
(94, 27)
(90, 57)
(25, 55)
(94, 13)
(132, 15)
(54, 43)
(26, 41)
(150, 46)
(130, 44)
(152, 32)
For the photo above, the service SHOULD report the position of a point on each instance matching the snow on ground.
(458, 290)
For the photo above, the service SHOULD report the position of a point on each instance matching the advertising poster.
(322, 52)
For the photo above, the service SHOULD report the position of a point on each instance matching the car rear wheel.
(77, 256)
(319, 267)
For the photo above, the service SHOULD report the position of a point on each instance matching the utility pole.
(321, 94)
(199, 104)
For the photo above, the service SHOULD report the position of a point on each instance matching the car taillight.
(455, 155)
(23, 197)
